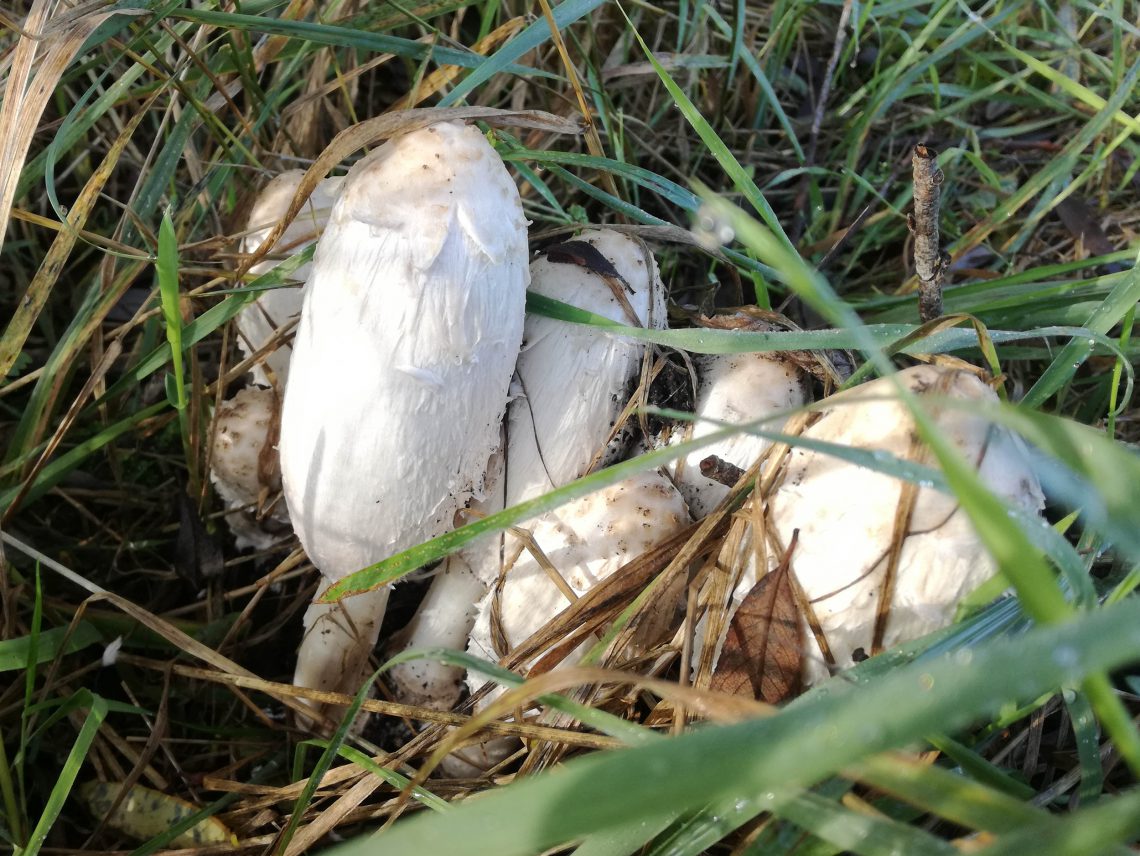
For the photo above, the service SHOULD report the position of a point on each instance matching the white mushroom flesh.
(573, 383)
(586, 541)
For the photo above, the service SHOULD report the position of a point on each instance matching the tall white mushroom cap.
(411, 324)
(845, 514)
(409, 333)
(258, 321)
(574, 380)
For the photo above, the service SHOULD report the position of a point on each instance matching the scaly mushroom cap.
(244, 468)
(845, 514)
(586, 541)
(574, 380)
(258, 321)
(411, 325)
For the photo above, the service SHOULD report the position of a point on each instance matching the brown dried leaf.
(1081, 222)
(762, 655)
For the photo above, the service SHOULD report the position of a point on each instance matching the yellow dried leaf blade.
(145, 813)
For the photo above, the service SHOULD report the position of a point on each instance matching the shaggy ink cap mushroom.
(845, 516)
(421, 276)
(244, 467)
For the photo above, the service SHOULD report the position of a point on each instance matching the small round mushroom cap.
(574, 381)
(258, 321)
(734, 389)
(244, 469)
(845, 514)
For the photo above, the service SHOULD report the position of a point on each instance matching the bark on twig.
(930, 262)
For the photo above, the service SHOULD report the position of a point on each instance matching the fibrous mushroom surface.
(842, 517)
(575, 380)
(735, 389)
(411, 324)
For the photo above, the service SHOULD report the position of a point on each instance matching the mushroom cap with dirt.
(411, 325)
(734, 389)
(257, 323)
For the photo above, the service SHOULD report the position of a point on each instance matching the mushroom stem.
(443, 620)
(339, 638)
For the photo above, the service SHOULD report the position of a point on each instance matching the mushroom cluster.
(416, 397)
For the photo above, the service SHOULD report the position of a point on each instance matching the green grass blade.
(1091, 830)
(534, 36)
(864, 834)
(740, 178)
(67, 775)
(791, 749)
(18, 653)
(397, 781)
(1107, 314)
(1088, 746)
(166, 270)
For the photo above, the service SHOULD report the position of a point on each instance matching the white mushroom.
(244, 467)
(411, 325)
(257, 323)
(571, 383)
(734, 389)
(845, 515)
(574, 382)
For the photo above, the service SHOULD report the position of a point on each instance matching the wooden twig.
(930, 262)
